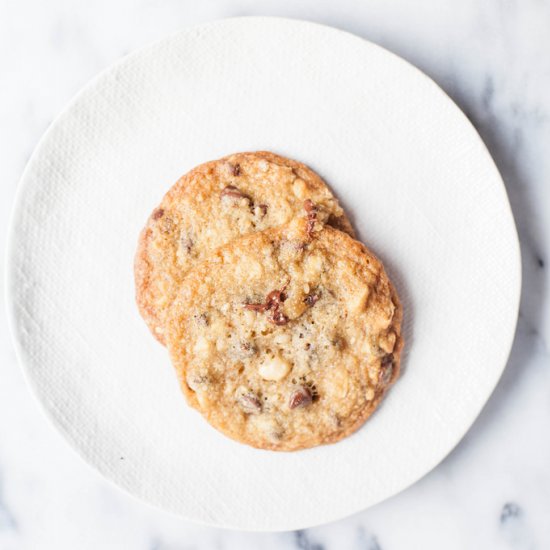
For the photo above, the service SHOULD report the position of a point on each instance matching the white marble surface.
(493, 491)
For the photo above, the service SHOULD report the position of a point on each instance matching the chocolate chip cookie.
(213, 204)
(287, 338)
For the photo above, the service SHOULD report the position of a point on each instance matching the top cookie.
(212, 205)
(287, 338)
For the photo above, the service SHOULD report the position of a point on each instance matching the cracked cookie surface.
(287, 338)
(212, 205)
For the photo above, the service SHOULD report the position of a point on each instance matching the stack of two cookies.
(284, 330)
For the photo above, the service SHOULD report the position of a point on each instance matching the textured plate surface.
(416, 180)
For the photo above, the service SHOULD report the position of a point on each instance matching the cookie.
(212, 205)
(288, 338)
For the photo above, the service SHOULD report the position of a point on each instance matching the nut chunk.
(274, 369)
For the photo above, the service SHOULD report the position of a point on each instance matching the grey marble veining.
(7, 521)
(493, 490)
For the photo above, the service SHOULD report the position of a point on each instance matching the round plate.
(407, 165)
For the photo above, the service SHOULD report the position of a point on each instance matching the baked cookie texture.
(288, 338)
(212, 205)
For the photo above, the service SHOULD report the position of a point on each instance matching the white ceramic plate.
(412, 172)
